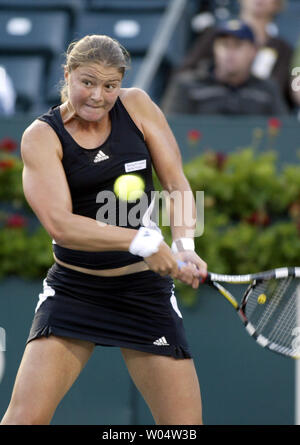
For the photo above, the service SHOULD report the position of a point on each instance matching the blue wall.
(241, 383)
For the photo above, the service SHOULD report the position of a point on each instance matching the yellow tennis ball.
(262, 298)
(129, 187)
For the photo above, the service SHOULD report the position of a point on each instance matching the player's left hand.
(194, 270)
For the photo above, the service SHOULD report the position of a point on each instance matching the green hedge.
(252, 215)
(251, 212)
(25, 247)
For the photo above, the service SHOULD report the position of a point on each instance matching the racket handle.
(180, 264)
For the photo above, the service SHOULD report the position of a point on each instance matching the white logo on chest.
(101, 156)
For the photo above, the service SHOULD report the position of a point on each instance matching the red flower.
(16, 221)
(220, 160)
(259, 218)
(6, 164)
(274, 126)
(216, 160)
(194, 135)
(274, 122)
(8, 144)
(294, 210)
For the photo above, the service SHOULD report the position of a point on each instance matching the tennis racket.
(269, 308)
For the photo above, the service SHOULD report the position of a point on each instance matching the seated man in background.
(227, 87)
(274, 55)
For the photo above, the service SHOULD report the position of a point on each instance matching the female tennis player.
(110, 285)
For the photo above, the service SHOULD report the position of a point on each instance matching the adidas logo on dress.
(161, 342)
(101, 156)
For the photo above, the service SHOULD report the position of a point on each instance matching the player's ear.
(66, 73)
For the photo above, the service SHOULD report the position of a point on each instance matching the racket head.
(270, 307)
(270, 310)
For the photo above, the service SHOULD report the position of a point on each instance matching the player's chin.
(92, 114)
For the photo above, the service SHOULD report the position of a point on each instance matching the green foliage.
(240, 183)
(25, 247)
(24, 254)
(251, 212)
(11, 179)
(252, 216)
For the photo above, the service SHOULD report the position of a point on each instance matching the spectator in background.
(229, 87)
(7, 94)
(296, 75)
(274, 55)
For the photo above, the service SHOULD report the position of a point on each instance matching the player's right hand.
(163, 261)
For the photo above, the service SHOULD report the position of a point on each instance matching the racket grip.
(183, 263)
(180, 264)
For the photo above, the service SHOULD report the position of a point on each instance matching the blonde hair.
(95, 49)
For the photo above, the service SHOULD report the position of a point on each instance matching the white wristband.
(183, 244)
(146, 242)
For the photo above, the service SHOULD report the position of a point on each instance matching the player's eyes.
(111, 86)
(108, 87)
(86, 82)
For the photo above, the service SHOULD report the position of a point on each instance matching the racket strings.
(282, 331)
(275, 296)
(259, 312)
(273, 308)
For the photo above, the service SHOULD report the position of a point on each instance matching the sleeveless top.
(91, 174)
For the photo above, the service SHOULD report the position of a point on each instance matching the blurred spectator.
(228, 87)
(7, 94)
(296, 75)
(274, 57)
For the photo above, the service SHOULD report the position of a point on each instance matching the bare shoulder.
(38, 139)
(142, 109)
(38, 130)
(133, 95)
(138, 100)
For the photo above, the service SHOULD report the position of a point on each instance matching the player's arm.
(47, 192)
(167, 162)
(165, 156)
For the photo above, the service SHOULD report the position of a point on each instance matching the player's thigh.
(169, 386)
(48, 369)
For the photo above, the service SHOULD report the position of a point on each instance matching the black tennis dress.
(137, 311)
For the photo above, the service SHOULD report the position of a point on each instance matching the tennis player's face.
(93, 90)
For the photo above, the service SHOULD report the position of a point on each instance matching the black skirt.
(136, 311)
